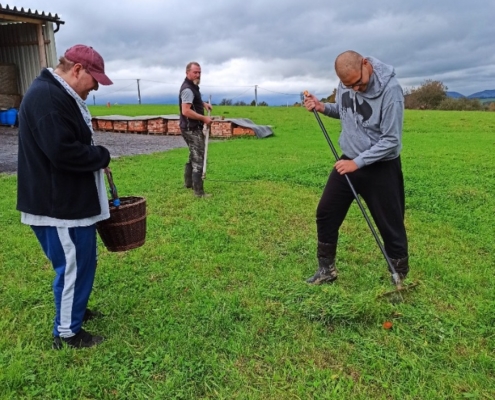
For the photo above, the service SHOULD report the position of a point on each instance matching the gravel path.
(119, 144)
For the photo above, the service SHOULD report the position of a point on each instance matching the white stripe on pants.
(70, 275)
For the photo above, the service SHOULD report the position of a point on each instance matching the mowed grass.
(214, 305)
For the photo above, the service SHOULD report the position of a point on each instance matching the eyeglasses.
(358, 82)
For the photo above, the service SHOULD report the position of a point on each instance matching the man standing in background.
(192, 119)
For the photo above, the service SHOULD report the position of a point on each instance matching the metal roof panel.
(6, 10)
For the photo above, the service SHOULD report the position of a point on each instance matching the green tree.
(426, 97)
(331, 98)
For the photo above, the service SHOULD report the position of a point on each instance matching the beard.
(197, 81)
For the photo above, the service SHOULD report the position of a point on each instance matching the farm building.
(27, 44)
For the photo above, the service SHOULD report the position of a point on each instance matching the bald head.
(347, 63)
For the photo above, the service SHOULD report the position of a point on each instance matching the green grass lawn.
(214, 305)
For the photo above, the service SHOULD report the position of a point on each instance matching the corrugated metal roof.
(34, 14)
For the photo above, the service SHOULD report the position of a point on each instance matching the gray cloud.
(283, 46)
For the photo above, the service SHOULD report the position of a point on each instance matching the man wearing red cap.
(60, 187)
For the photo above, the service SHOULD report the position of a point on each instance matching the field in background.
(214, 305)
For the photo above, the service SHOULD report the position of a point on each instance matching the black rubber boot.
(401, 266)
(326, 273)
(197, 184)
(188, 175)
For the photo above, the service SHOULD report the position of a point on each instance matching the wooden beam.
(22, 19)
(41, 46)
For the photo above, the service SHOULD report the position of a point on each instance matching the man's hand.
(311, 103)
(188, 112)
(345, 166)
(207, 106)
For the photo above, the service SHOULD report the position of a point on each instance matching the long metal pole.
(395, 275)
(139, 91)
(207, 134)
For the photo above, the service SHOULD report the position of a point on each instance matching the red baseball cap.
(90, 60)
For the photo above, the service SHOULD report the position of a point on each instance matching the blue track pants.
(72, 252)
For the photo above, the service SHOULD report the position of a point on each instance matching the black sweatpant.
(381, 186)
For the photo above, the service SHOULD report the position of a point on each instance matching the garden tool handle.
(207, 134)
(325, 133)
(113, 188)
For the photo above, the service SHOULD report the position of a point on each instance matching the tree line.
(229, 102)
(432, 95)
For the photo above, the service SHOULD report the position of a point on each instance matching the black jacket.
(56, 164)
(197, 105)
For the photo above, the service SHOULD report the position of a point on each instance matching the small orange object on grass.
(387, 325)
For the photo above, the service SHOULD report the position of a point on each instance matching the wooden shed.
(27, 44)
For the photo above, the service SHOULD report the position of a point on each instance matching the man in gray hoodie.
(370, 106)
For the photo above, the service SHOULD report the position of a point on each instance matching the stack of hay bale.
(10, 99)
(9, 88)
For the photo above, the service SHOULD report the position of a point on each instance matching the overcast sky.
(283, 46)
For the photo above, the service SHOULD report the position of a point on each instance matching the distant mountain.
(485, 94)
(454, 95)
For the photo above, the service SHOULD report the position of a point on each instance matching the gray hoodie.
(371, 120)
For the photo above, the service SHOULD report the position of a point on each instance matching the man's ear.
(77, 69)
